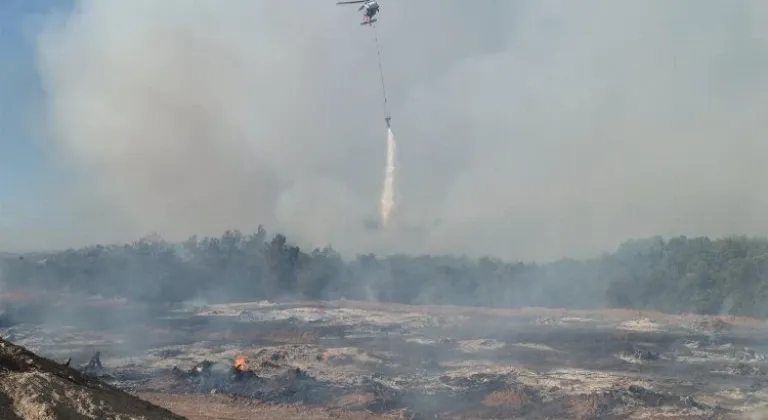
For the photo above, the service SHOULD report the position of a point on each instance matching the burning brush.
(240, 369)
(241, 363)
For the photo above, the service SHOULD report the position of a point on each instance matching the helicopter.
(371, 8)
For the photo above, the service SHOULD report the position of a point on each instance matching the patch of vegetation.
(701, 275)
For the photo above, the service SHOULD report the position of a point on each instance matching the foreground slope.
(35, 388)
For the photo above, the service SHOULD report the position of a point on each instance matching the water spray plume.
(388, 191)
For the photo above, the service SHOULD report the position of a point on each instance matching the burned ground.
(420, 362)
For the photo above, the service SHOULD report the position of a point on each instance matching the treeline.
(681, 274)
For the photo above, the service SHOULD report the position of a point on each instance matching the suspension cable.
(381, 73)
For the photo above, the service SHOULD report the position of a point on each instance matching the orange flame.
(241, 364)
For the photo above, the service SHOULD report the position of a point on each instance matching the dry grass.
(533, 312)
(506, 399)
(586, 406)
(219, 407)
(355, 401)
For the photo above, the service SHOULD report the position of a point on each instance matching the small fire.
(241, 364)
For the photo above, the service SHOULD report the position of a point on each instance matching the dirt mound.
(35, 388)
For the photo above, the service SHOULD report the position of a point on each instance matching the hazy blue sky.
(24, 169)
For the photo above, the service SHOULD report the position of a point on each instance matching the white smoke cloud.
(526, 129)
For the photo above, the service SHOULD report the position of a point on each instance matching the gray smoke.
(526, 129)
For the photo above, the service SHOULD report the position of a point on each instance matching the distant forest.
(702, 275)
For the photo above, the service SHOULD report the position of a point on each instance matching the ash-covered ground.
(433, 362)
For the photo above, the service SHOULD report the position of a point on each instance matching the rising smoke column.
(388, 191)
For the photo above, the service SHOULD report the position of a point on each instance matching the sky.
(25, 171)
(526, 129)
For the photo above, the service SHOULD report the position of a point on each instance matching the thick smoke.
(527, 129)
